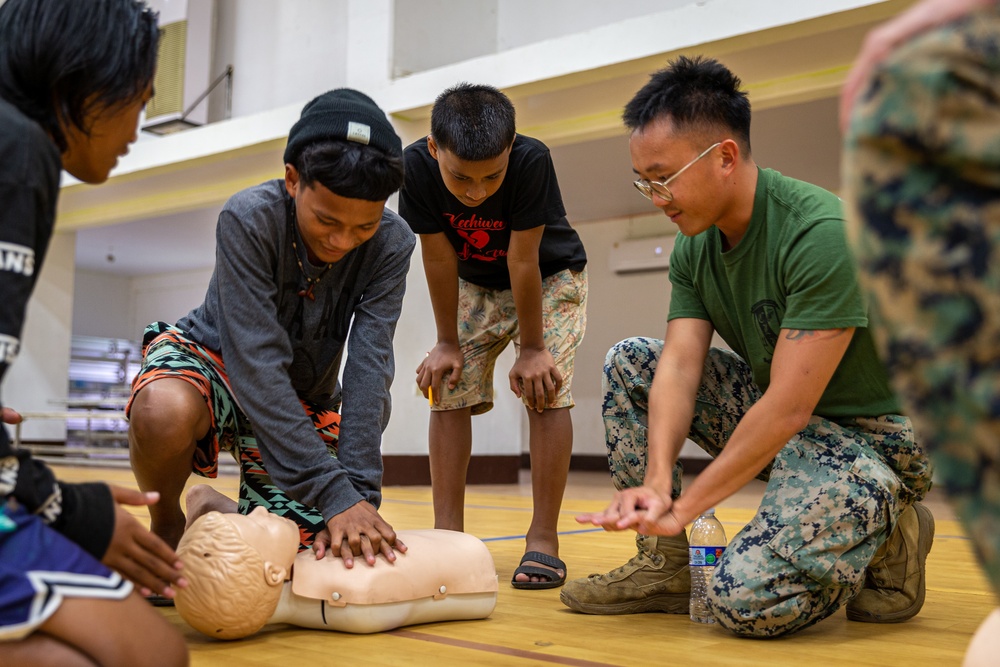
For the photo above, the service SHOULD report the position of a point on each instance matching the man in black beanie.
(305, 268)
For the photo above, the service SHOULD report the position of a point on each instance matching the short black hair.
(697, 94)
(60, 59)
(474, 122)
(350, 169)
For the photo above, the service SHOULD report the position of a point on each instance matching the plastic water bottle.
(706, 543)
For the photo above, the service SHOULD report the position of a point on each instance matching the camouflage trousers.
(922, 179)
(833, 493)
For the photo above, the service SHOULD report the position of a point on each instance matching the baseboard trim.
(414, 470)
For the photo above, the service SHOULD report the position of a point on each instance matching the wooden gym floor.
(534, 628)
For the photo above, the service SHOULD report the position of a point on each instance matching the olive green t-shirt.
(792, 270)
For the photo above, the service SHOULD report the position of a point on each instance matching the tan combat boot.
(656, 579)
(894, 582)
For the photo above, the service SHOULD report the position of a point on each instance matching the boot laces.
(637, 562)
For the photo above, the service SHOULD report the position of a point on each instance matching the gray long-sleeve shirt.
(278, 346)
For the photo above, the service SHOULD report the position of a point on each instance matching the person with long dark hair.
(74, 78)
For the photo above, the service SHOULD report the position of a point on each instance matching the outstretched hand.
(10, 416)
(137, 554)
(358, 531)
(642, 509)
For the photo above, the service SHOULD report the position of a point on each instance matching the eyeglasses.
(648, 188)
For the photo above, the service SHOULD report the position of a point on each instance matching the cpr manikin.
(244, 573)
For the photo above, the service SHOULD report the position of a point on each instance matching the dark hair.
(697, 94)
(350, 169)
(60, 59)
(475, 122)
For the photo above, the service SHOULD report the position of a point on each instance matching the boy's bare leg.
(88, 632)
(167, 419)
(42, 650)
(450, 450)
(551, 443)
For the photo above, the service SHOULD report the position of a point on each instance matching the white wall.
(111, 306)
(281, 52)
(101, 303)
(165, 297)
(523, 22)
(432, 33)
(40, 372)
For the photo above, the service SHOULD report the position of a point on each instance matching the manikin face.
(91, 158)
(658, 152)
(330, 225)
(274, 537)
(471, 181)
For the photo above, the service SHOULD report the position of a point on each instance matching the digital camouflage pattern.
(833, 494)
(922, 178)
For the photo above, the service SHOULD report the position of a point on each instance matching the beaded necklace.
(307, 291)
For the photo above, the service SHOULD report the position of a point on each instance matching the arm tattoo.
(801, 334)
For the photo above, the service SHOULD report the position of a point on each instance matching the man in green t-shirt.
(801, 399)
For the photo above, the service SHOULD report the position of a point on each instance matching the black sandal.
(552, 578)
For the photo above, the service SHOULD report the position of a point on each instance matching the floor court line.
(521, 537)
(499, 650)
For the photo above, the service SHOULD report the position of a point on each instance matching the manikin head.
(236, 567)
(692, 122)
(82, 70)
(472, 132)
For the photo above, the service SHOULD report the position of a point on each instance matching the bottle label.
(704, 556)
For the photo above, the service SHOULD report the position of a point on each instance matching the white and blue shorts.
(39, 568)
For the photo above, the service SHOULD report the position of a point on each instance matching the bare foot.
(202, 499)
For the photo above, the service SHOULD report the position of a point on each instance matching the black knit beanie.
(343, 114)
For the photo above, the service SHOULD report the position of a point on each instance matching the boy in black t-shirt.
(502, 265)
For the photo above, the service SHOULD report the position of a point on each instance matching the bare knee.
(171, 413)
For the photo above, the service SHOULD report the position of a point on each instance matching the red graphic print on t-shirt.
(476, 232)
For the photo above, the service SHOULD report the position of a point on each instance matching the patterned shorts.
(39, 568)
(487, 322)
(168, 352)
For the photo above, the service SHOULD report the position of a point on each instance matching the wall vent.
(641, 255)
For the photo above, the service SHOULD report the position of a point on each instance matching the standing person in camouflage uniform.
(922, 171)
(802, 400)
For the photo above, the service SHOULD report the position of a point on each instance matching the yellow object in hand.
(430, 396)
